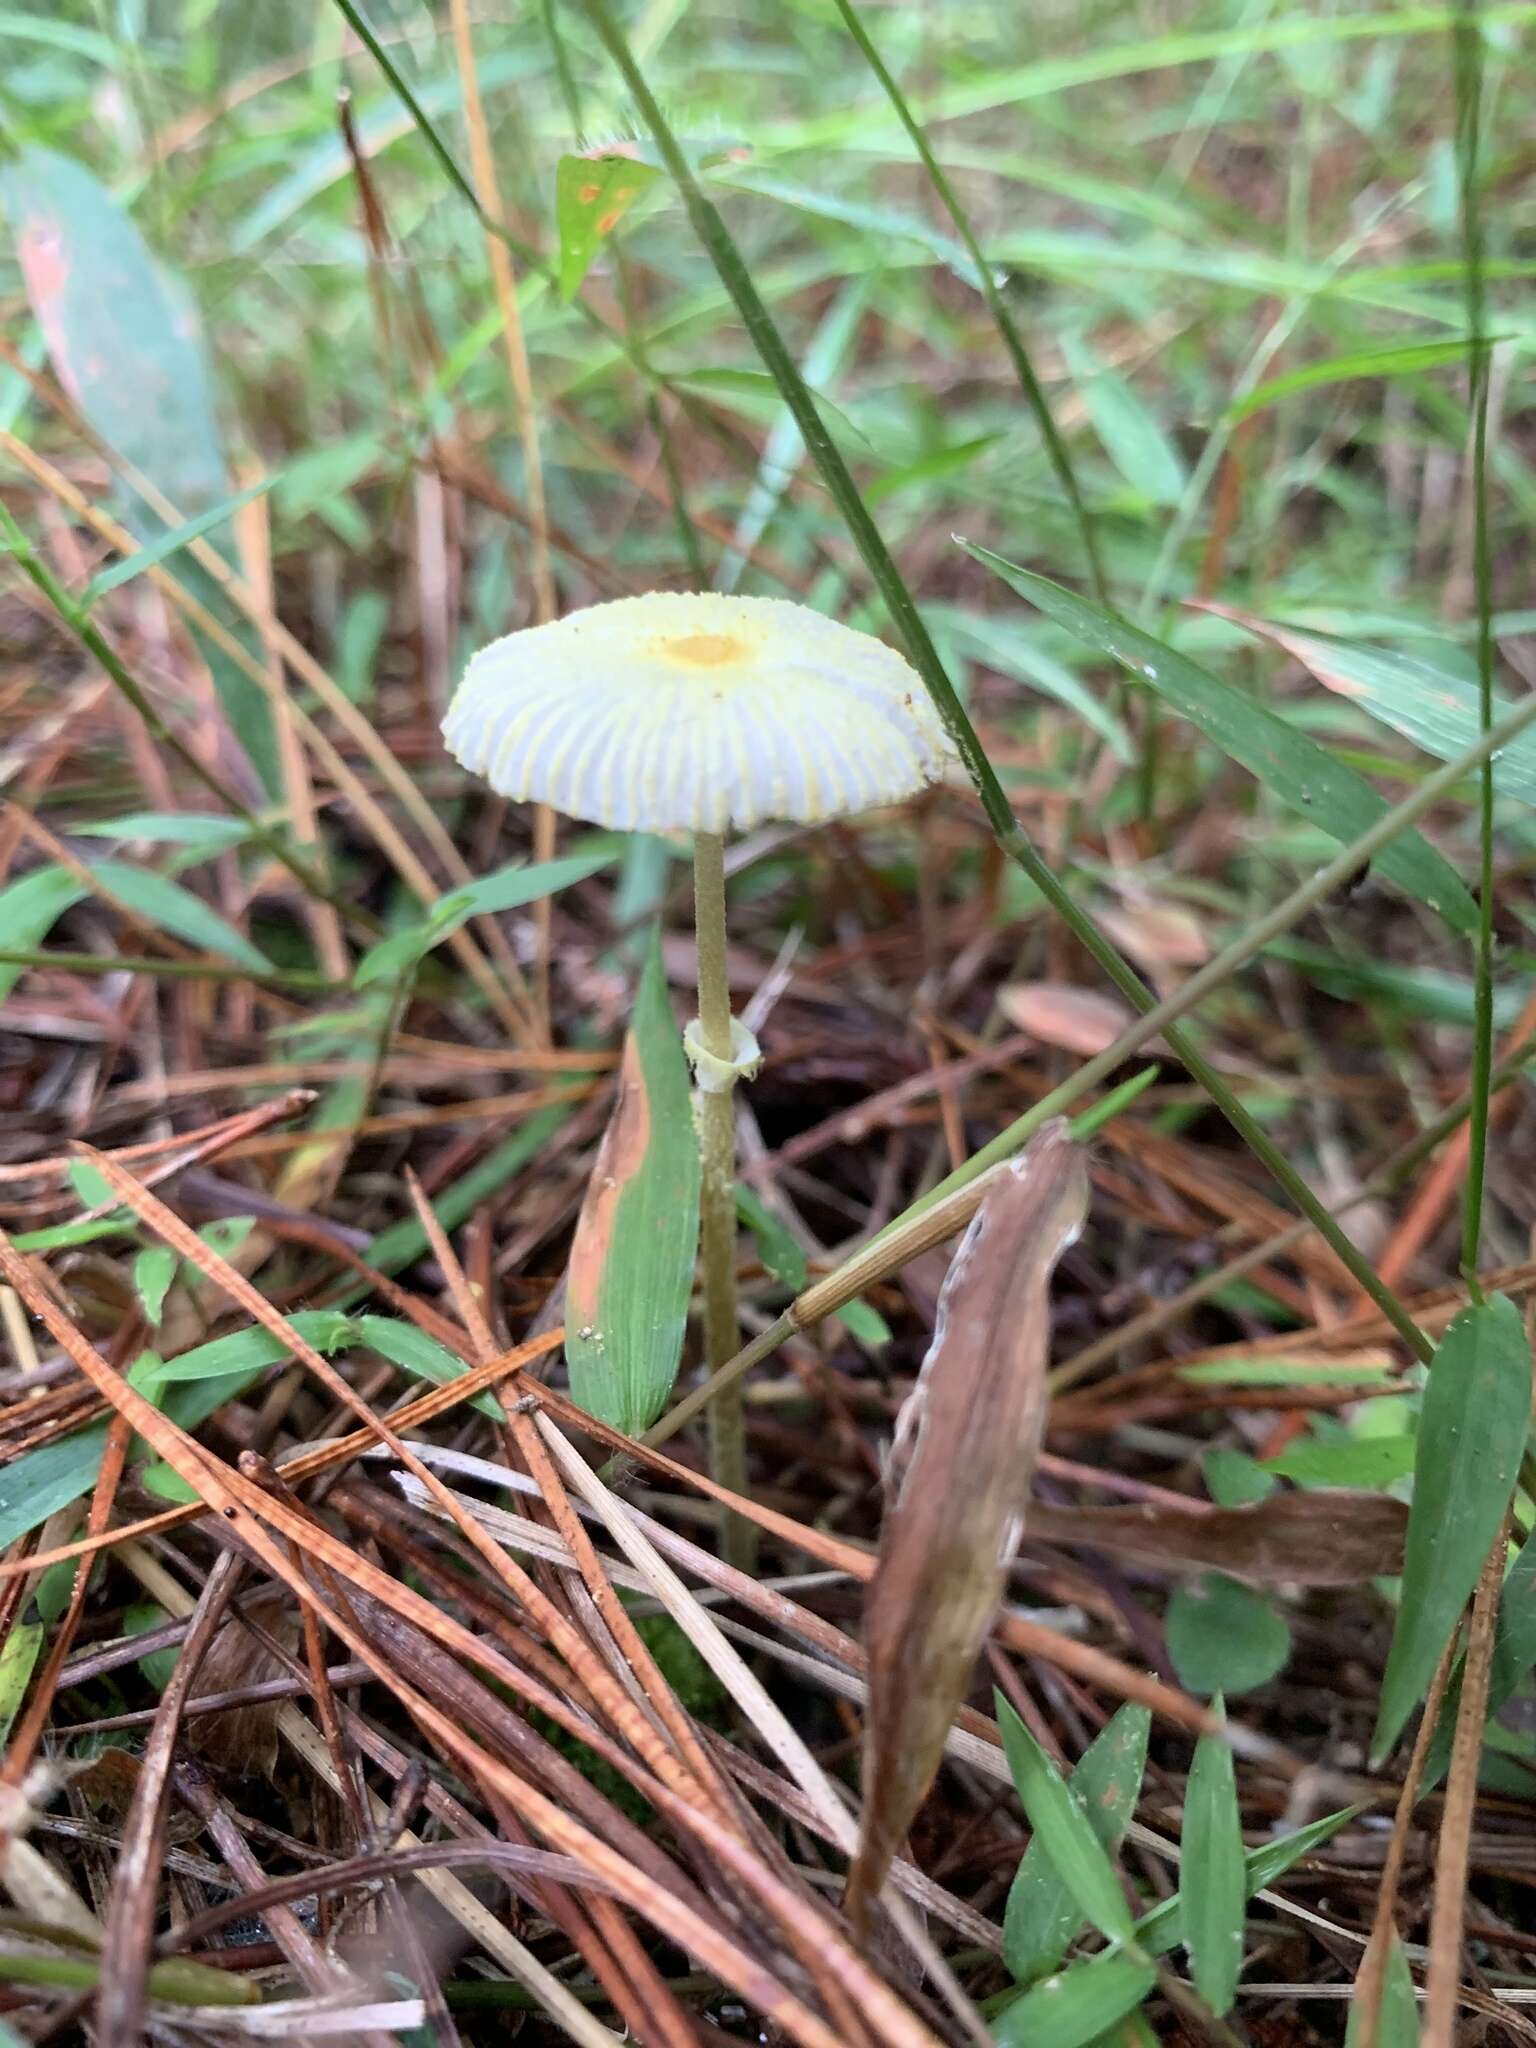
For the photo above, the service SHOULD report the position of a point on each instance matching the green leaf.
(631, 1266)
(1295, 768)
(1406, 361)
(166, 1482)
(153, 1271)
(157, 1665)
(865, 1324)
(1213, 1874)
(1043, 1916)
(41, 1481)
(1431, 705)
(169, 543)
(1222, 1637)
(776, 1247)
(592, 195)
(29, 909)
(509, 888)
(91, 1185)
(175, 828)
(1514, 1649)
(415, 1352)
(248, 1351)
(1397, 2016)
(1065, 1832)
(1472, 1430)
(1132, 436)
(171, 908)
(126, 343)
(18, 1656)
(1373, 1463)
(1165, 1928)
(1074, 2008)
(1233, 1479)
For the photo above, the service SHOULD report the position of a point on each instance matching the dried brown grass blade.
(1305, 1539)
(1453, 1852)
(966, 1442)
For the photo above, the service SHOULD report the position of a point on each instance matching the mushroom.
(700, 713)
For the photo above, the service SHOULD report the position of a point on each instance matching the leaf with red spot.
(592, 195)
(124, 341)
(631, 1267)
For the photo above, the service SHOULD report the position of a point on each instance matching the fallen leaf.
(964, 1454)
(1076, 1019)
(1301, 1539)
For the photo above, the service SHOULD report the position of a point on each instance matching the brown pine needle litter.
(824, 1336)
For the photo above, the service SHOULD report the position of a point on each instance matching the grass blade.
(1043, 1914)
(1471, 1431)
(1299, 771)
(1078, 2006)
(1073, 1843)
(632, 1261)
(1213, 1874)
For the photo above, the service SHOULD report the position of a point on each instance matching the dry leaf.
(1300, 1539)
(1077, 1019)
(960, 1472)
(1156, 935)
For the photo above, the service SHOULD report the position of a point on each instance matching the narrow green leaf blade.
(171, 908)
(1042, 1915)
(1132, 435)
(1165, 1928)
(1213, 1875)
(169, 543)
(18, 1656)
(1299, 772)
(175, 828)
(1397, 2017)
(153, 1271)
(1472, 1429)
(631, 1267)
(1405, 361)
(1074, 2008)
(1068, 1836)
(508, 888)
(29, 909)
(415, 1352)
(1424, 701)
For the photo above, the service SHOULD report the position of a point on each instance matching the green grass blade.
(509, 888)
(1076, 2007)
(1043, 1915)
(1404, 361)
(1397, 2016)
(1301, 774)
(1069, 1838)
(169, 543)
(1213, 1874)
(170, 908)
(1468, 53)
(1472, 1430)
(1429, 704)
(632, 1261)
(29, 909)
(1007, 327)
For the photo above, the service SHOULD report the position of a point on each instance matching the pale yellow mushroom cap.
(696, 712)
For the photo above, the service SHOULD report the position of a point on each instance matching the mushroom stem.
(717, 1192)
